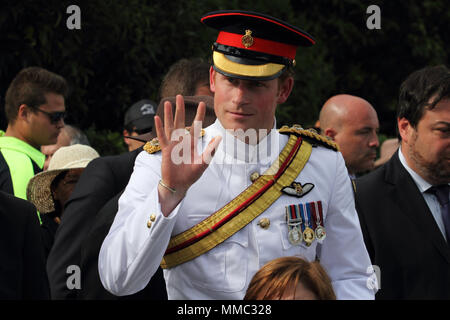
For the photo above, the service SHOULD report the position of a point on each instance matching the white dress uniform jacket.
(132, 252)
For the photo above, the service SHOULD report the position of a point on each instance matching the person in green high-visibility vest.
(35, 110)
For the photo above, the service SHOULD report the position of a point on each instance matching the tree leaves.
(124, 48)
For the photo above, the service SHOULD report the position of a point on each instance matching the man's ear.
(330, 132)
(212, 80)
(285, 89)
(404, 128)
(126, 133)
(23, 112)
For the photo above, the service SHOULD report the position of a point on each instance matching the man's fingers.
(168, 119)
(162, 138)
(210, 150)
(199, 116)
(197, 124)
(201, 110)
(180, 112)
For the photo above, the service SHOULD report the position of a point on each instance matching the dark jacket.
(48, 229)
(22, 267)
(401, 235)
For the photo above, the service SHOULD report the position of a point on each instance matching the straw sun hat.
(64, 159)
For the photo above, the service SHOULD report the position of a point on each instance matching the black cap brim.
(236, 21)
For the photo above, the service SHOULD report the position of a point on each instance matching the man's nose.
(60, 124)
(374, 143)
(239, 95)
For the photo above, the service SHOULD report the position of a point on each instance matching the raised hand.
(181, 165)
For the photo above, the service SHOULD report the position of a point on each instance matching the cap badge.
(247, 39)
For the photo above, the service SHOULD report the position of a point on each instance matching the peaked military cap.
(252, 45)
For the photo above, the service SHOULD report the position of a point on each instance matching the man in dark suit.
(22, 267)
(404, 205)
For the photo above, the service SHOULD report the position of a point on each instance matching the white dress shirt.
(132, 252)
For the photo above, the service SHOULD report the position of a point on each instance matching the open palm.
(181, 164)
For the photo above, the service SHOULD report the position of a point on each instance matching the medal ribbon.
(320, 215)
(310, 210)
(304, 216)
(293, 214)
(307, 215)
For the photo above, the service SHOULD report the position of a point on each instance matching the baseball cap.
(140, 116)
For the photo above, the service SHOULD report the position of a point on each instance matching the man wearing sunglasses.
(35, 110)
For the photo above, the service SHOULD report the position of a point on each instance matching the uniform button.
(149, 224)
(254, 176)
(264, 223)
(152, 217)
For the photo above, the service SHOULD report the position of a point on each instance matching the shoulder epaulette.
(311, 135)
(153, 145)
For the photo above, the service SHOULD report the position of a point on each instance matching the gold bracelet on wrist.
(167, 187)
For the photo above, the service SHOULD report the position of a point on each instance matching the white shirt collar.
(232, 147)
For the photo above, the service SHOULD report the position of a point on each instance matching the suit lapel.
(413, 205)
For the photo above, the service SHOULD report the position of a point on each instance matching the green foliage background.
(124, 48)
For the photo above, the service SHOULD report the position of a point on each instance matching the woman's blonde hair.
(277, 276)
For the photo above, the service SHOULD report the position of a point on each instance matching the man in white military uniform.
(214, 223)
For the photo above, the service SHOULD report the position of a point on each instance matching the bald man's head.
(341, 108)
(352, 123)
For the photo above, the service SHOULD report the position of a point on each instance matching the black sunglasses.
(53, 116)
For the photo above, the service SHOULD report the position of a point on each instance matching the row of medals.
(295, 233)
(308, 235)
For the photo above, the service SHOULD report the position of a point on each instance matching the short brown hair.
(29, 87)
(287, 72)
(429, 83)
(274, 278)
(184, 76)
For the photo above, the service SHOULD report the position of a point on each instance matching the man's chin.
(368, 166)
(439, 173)
(236, 126)
(444, 174)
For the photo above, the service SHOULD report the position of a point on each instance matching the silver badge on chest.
(294, 223)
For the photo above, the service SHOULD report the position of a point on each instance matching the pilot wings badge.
(298, 190)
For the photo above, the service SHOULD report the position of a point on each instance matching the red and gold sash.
(241, 210)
